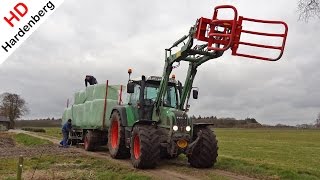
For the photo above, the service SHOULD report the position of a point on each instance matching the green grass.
(69, 167)
(27, 140)
(54, 132)
(51, 132)
(260, 153)
(272, 153)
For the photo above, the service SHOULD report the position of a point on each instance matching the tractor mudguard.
(123, 114)
(144, 122)
(202, 124)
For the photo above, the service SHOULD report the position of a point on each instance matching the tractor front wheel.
(145, 147)
(205, 153)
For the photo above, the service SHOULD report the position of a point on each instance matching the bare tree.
(13, 106)
(308, 9)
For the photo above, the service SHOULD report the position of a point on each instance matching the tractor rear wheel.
(89, 141)
(205, 153)
(145, 147)
(116, 138)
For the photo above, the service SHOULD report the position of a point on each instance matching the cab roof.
(155, 78)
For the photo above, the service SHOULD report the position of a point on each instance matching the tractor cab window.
(134, 97)
(170, 98)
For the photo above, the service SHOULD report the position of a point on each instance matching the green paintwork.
(132, 115)
(186, 53)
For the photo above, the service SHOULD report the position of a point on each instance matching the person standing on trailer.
(91, 80)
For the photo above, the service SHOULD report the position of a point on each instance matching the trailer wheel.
(116, 138)
(89, 141)
(205, 153)
(145, 147)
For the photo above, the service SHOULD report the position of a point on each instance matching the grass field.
(264, 153)
(273, 153)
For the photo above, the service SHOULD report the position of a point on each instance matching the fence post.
(20, 166)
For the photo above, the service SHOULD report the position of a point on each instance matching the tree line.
(249, 122)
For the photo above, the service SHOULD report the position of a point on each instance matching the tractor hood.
(173, 117)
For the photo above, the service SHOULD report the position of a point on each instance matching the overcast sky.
(107, 37)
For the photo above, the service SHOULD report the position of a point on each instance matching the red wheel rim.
(136, 147)
(85, 142)
(114, 134)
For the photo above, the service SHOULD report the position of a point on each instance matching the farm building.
(4, 123)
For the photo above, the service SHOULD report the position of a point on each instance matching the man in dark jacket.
(66, 128)
(90, 79)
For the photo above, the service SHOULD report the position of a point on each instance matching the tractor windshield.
(170, 99)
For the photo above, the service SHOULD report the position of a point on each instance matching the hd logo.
(19, 19)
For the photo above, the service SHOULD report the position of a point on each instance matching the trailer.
(90, 114)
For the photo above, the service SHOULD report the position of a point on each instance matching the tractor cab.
(173, 121)
(143, 93)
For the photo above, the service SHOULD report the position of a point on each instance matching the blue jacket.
(66, 127)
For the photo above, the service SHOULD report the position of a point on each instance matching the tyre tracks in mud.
(163, 171)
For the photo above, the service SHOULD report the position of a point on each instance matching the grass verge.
(27, 140)
(53, 132)
(68, 167)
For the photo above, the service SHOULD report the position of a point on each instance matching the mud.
(8, 148)
(6, 141)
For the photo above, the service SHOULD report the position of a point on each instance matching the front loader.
(154, 124)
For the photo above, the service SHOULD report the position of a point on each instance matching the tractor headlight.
(188, 128)
(175, 128)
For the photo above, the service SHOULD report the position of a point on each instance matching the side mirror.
(130, 88)
(195, 94)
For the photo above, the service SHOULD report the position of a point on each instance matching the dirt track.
(8, 148)
(163, 171)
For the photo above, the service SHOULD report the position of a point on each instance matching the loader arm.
(218, 36)
(195, 57)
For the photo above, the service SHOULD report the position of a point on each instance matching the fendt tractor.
(154, 124)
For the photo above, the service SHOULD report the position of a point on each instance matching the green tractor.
(154, 123)
(146, 131)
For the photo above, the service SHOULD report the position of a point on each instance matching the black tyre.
(88, 140)
(205, 153)
(116, 138)
(145, 147)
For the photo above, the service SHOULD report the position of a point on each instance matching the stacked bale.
(87, 111)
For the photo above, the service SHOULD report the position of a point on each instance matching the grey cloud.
(105, 38)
